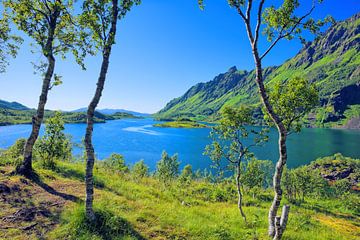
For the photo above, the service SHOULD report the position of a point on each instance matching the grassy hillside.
(332, 62)
(128, 207)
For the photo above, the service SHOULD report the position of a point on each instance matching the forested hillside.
(331, 61)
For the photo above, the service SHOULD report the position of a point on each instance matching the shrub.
(186, 175)
(167, 168)
(140, 170)
(54, 145)
(301, 182)
(341, 187)
(116, 162)
(13, 155)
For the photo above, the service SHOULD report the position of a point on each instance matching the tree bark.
(26, 167)
(89, 181)
(281, 141)
(240, 196)
(280, 222)
(274, 117)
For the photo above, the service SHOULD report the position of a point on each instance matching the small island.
(183, 123)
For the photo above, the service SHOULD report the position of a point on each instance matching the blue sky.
(163, 48)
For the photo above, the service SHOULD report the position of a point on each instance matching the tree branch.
(281, 35)
(258, 23)
(248, 10)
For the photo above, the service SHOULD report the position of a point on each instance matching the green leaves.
(283, 22)
(167, 168)
(9, 43)
(231, 137)
(51, 24)
(116, 162)
(292, 100)
(54, 145)
(97, 19)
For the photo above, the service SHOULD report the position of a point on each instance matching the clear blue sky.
(163, 48)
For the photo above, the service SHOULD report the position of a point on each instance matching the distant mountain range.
(12, 105)
(18, 106)
(16, 113)
(332, 62)
(110, 111)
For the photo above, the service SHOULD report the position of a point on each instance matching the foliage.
(96, 20)
(43, 19)
(186, 175)
(9, 43)
(54, 145)
(300, 183)
(167, 169)
(140, 170)
(292, 100)
(116, 162)
(258, 174)
(13, 155)
(229, 138)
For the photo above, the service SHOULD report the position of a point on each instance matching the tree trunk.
(238, 185)
(26, 167)
(282, 143)
(89, 181)
(280, 222)
(274, 117)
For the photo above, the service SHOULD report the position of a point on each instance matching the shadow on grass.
(323, 210)
(106, 225)
(37, 180)
(78, 175)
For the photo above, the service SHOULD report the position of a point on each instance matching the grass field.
(51, 207)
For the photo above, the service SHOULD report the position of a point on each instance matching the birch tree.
(230, 143)
(277, 23)
(50, 24)
(100, 18)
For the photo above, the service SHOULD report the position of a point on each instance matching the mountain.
(111, 111)
(12, 105)
(331, 61)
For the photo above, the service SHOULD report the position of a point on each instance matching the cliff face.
(332, 62)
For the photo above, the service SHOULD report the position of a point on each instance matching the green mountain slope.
(332, 61)
(12, 105)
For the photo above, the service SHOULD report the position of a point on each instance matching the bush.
(140, 170)
(341, 187)
(167, 168)
(186, 175)
(351, 202)
(13, 155)
(301, 182)
(54, 145)
(258, 174)
(116, 162)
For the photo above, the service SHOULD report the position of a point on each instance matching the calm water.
(137, 139)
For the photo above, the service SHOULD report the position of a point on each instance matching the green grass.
(130, 209)
(180, 124)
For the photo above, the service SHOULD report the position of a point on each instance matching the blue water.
(137, 139)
